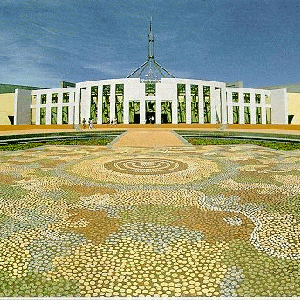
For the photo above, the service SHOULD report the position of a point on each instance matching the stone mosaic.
(204, 221)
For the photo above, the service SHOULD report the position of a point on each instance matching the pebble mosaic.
(89, 221)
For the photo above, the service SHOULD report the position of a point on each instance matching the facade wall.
(22, 107)
(294, 107)
(172, 100)
(6, 108)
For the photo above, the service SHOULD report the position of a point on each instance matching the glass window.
(181, 103)
(43, 115)
(54, 98)
(267, 99)
(65, 114)
(105, 104)
(66, 97)
(236, 114)
(246, 115)
(150, 89)
(195, 104)
(43, 98)
(268, 115)
(53, 115)
(206, 104)
(257, 98)
(258, 115)
(235, 97)
(246, 97)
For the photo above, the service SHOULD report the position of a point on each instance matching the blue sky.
(44, 42)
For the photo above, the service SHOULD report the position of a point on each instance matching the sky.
(44, 42)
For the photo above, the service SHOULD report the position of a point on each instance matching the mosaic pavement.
(200, 221)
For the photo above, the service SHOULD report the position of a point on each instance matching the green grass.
(274, 145)
(88, 142)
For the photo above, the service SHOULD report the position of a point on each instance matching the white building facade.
(169, 100)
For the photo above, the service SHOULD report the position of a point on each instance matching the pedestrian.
(115, 121)
(83, 123)
(90, 122)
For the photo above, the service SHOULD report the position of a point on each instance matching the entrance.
(150, 112)
(134, 112)
(166, 112)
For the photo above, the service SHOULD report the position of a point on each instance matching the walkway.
(149, 138)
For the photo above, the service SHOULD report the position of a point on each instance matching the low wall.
(167, 126)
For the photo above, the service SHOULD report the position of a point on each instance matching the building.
(151, 94)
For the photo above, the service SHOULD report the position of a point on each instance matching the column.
(59, 108)
(230, 109)
(263, 108)
(125, 105)
(241, 107)
(48, 108)
(188, 100)
(252, 108)
(77, 116)
(213, 104)
(223, 106)
(38, 106)
(112, 102)
(99, 113)
(71, 108)
(157, 110)
(142, 111)
(201, 111)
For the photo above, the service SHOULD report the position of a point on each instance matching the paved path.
(149, 138)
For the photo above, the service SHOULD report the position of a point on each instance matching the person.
(152, 120)
(115, 121)
(83, 123)
(90, 123)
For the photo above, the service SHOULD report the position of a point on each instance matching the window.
(268, 115)
(194, 104)
(105, 104)
(94, 104)
(246, 97)
(42, 115)
(206, 104)
(150, 89)
(53, 115)
(181, 103)
(236, 114)
(235, 97)
(258, 115)
(257, 98)
(267, 99)
(65, 114)
(43, 99)
(54, 98)
(66, 97)
(246, 115)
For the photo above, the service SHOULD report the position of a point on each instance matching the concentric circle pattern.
(146, 166)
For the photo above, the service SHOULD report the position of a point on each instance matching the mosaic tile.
(203, 221)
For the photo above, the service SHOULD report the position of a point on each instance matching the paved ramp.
(149, 138)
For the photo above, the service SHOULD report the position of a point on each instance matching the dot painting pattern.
(86, 221)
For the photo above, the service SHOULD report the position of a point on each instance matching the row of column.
(241, 106)
(217, 96)
(59, 105)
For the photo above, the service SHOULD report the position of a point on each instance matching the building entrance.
(134, 112)
(166, 112)
(150, 112)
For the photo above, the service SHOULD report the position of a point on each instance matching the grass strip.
(87, 142)
(274, 145)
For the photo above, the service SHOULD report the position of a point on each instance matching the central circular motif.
(146, 166)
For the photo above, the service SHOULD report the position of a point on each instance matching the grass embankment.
(89, 142)
(273, 145)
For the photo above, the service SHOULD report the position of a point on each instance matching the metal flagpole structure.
(150, 70)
